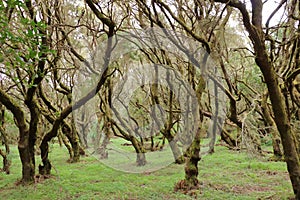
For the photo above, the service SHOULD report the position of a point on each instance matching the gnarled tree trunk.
(262, 59)
(25, 149)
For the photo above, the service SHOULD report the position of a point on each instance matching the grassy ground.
(223, 175)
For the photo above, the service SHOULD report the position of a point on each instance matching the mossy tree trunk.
(262, 59)
(191, 182)
(75, 143)
(25, 149)
(140, 151)
(191, 167)
(4, 140)
(273, 128)
(65, 141)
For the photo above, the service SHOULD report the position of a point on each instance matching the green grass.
(223, 175)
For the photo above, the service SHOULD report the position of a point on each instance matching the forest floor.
(226, 174)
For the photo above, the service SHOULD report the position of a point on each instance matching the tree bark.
(140, 151)
(191, 182)
(4, 139)
(272, 130)
(28, 167)
(6, 162)
(282, 121)
(262, 59)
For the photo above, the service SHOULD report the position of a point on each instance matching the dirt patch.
(285, 175)
(219, 187)
(95, 181)
(271, 173)
(238, 174)
(246, 189)
(240, 189)
(277, 177)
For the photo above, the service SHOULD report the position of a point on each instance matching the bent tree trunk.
(45, 169)
(25, 149)
(262, 59)
(66, 143)
(281, 115)
(73, 138)
(179, 158)
(283, 123)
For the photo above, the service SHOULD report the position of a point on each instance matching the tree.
(29, 50)
(44, 54)
(267, 66)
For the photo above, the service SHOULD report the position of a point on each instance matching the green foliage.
(21, 41)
